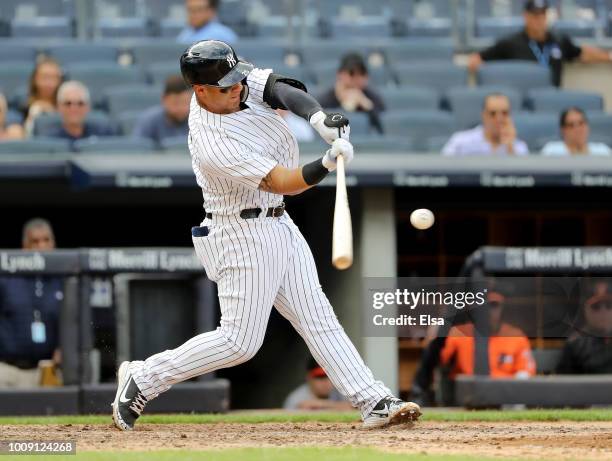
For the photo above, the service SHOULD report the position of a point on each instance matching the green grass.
(257, 454)
(271, 417)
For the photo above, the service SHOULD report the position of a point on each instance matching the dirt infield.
(534, 440)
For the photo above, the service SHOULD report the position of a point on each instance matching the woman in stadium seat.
(8, 132)
(44, 82)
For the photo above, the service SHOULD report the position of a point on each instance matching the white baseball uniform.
(257, 263)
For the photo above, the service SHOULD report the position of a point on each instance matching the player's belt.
(250, 213)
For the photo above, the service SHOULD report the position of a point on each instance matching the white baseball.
(422, 218)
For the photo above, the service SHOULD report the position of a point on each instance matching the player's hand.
(331, 126)
(339, 147)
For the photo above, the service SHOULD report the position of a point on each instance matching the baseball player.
(245, 159)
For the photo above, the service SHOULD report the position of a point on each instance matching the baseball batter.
(245, 159)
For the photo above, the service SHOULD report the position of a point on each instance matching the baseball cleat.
(391, 411)
(129, 401)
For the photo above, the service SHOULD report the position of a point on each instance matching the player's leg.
(302, 301)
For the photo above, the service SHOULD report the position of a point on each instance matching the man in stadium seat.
(509, 349)
(575, 131)
(170, 118)
(352, 92)
(203, 23)
(8, 132)
(537, 43)
(29, 316)
(73, 105)
(496, 135)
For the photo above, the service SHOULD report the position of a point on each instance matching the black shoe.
(391, 411)
(129, 401)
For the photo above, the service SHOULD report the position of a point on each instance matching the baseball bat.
(342, 235)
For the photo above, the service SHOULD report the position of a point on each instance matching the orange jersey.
(509, 352)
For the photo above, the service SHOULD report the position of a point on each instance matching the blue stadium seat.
(171, 28)
(46, 123)
(411, 98)
(555, 100)
(174, 143)
(126, 98)
(436, 143)
(498, 27)
(160, 9)
(157, 51)
(158, 72)
(35, 146)
(352, 29)
(522, 75)
(17, 52)
(359, 121)
(382, 144)
(123, 27)
(13, 75)
(32, 8)
(418, 49)
(100, 76)
(18, 98)
(418, 126)
(114, 144)
(601, 125)
(298, 72)
(318, 147)
(127, 121)
(317, 52)
(536, 129)
(325, 74)
(13, 117)
(118, 9)
(350, 8)
(73, 53)
(433, 27)
(42, 27)
(577, 28)
(261, 53)
(466, 103)
(434, 74)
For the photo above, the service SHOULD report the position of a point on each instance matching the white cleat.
(391, 411)
(129, 401)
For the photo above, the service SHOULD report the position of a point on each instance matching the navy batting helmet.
(213, 63)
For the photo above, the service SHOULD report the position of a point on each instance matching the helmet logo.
(231, 60)
(336, 117)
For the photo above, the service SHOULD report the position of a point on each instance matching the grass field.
(275, 436)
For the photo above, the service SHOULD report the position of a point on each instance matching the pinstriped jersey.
(232, 153)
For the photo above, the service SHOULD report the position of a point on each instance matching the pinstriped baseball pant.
(257, 264)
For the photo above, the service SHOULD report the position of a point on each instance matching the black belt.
(250, 213)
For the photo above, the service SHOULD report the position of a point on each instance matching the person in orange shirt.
(509, 349)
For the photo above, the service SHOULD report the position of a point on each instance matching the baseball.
(422, 218)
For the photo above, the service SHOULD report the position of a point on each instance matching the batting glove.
(339, 146)
(331, 126)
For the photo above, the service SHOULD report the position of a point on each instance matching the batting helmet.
(213, 63)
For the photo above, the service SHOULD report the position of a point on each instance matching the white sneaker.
(129, 401)
(391, 411)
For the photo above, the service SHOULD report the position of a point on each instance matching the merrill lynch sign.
(148, 260)
(558, 258)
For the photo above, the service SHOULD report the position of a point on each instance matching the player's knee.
(244, 350)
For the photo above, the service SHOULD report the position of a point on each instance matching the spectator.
(44, 83)
(317, 393)
(170, 118)
(300, 128)
(537, 43)
(352, 93)
(203, 23)
(509, 349)
(8, 132)
(589, 349)
(575, 131)
(29, 316)
(496, 135)
(74, 105)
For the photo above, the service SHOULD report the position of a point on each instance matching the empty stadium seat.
(314, 53)
(171, 28)
(434, 74)
(131, 98)
(417, 49)
(13, 117)
(433, 27)
(42, 27)
(118, 8)
(498, 27)
(123, 27)
(73, 53)
(601, 125)
(114, 144)
(160, 9)
(158, 72)
(157, 51)
(577, 28)
(261, 53)
(32, 8)
(466, 103)
(411, 98)
(13, 75)
(100, 76)
(174, 143)
(382, 144)
(351, 29)
(17, 52)
(127, 121)
(522, 75)
(555, 100)
(536, 129)
(35, 146)
(418, 126)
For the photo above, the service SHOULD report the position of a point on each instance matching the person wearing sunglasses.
(495, 136)
(73, 103)
(575, 132)
(588, 350)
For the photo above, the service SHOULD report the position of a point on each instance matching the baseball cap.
(535, 5)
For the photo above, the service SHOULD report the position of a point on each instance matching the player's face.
(496, 115)
(176, 105)
(536, 24)
(39, 239)
(219, 100)
(576, 130)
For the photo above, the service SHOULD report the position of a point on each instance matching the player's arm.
(286, 181)
(290, 94)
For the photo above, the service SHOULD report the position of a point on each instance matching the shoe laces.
(138, 403)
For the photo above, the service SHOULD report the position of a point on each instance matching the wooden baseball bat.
(342, 235)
